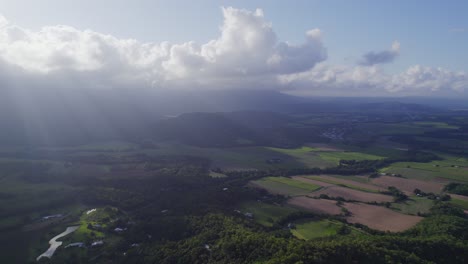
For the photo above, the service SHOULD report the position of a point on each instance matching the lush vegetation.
(188, 197)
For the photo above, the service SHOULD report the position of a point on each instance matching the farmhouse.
(52, 216)
(97, 243)
(76, 244)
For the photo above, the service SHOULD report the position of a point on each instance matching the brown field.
(350, 194)
(350, 182)
(319, 206)
(408, 185)
(312, 181)
(380, 218)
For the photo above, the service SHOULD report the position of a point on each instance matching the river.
(54, 244)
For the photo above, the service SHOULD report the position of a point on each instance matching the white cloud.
(247, 54)
(381, 57)
(247, 49)
(362, 81)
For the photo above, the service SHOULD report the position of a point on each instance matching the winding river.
(54, 244)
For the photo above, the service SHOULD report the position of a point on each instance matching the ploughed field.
(359, 199)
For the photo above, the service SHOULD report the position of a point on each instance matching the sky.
(349, 48)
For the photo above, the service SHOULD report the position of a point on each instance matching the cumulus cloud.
(247, 49)
(247, 54)
(381, 57)
(364, 80)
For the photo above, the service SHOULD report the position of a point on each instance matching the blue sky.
(430, 33)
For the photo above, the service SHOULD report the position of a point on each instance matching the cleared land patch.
(315, 229)
(408, 185)
(312, 181)
(266, 214)
(335, 156)
(414, 205)
(350, 194)
(319, 206)
(284, 186)
(380, 218)
(308, 156)
(450, 167)
(346, 183)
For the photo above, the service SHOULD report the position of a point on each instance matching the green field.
(312, 229)
(460, 203)
(310, 157)
(231, 158)
(436, 125)
(335, 156)
(266, 214)
(414, 205)
(286, 186)
(453, 168)
(338, 183)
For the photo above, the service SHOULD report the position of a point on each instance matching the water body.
(54, 244)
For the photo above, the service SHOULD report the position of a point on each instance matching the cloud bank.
(246, 55)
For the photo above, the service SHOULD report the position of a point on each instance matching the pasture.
(266, 214)
(319, 206)
(312, 229)
(380, 218)
(356, 185)
(414, 205)
(284, 186)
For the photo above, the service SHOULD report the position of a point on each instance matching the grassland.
(310, 157)
(285, 186)
(345, 183)
(335, 157)
(459, 203)
(441, 125)
(451, 168)
(266, 214)
(312, 229)
(414, 205)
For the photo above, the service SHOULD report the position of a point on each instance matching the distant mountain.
(70, 117)
(206, 129)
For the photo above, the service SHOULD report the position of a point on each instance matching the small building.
(97, 243)
(118, 229)
(76, 244)
(52, 216)
(249, 215)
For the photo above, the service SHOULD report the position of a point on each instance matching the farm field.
(312, 229)
(354, 195)
(408, 185)
(449, 169)
(284, 186)
(380, 218)
(319, 206)
(414, 205)
(461, 203)
(311, 157)
(266, 214)
(357, 185)
(335, 156)
(442, 125)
